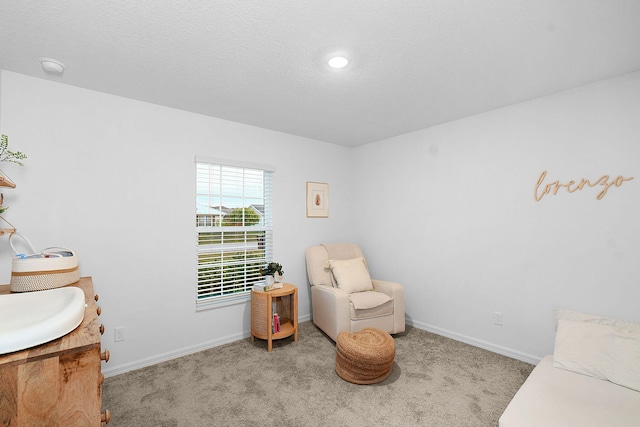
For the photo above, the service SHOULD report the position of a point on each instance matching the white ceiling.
(414, 63)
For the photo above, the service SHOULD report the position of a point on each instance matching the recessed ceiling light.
(338, 62)
(52, 66)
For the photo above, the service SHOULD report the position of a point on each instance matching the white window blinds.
(234, 227)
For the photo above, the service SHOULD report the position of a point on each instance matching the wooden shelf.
(4, 231)
(286, 329)
(6, 182)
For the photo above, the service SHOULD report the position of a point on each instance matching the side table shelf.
(286, 303)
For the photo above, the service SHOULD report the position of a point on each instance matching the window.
(234, 228)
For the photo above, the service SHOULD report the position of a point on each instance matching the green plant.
(8, 155)
(242, 216)
(271, 269)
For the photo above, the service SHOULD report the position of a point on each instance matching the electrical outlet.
(497, 318)
(118, 334)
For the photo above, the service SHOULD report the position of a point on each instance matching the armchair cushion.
(369, 299)
(351, 275)
(359, 299)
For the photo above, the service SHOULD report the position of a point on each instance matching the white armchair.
(345, 298)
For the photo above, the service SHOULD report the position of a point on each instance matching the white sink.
(33, 318)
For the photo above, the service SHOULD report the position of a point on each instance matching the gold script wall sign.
(542, 189)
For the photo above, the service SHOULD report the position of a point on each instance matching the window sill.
(223, 301)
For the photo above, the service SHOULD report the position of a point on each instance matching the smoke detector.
(52, 66)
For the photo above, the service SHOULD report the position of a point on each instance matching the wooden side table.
(286, 304)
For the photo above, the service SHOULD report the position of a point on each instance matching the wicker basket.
(51, 268)
(365, 357)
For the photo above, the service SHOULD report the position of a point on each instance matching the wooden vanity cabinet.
(58, 383)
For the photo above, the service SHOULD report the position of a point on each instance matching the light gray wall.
(451, 214)
(448, 211)
(114, 179)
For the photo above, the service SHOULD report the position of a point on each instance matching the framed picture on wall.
(317, 200)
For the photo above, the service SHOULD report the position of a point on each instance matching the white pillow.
(592, 318)
(602, 351)
(351, 274)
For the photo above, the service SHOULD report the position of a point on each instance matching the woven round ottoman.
(364, 357)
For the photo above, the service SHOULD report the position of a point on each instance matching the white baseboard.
(110, 371)
(529, 358)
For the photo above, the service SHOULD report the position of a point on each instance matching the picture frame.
(317, 200)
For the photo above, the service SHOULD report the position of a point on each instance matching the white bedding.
(554, 397)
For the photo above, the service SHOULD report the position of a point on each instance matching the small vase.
(269, 278)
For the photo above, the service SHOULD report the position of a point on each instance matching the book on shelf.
(275, 327)
(262, 287)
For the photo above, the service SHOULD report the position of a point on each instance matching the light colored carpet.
(435, 381)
